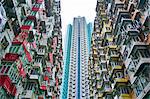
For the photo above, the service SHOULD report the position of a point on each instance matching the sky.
(75, 8)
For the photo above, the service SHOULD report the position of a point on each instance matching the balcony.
(34, 74)
(41, 51)
(141, 3)
(7, 84)
(132, 31)
(114, 55)
(100, 95)
(38, 64)
(98, 77)
(119, 81)
(144, 92)
(95, 53)
(125, 96)
(116, 66)
(27, 94)
(121, 16)
(112, 47)
(43, 41)
(142, 83)
(140, 64)
(132, 45)
(99, 86)
(107, 90)
(43, 85)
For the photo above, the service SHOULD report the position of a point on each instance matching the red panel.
(31, 17)
(7, 84)
(35, 9)
(16, 42)
(46, 78)
(43, 87)
(11, 57)
(13, 90)
(26, 27)
(39, 1)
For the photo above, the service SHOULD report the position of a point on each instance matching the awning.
(11, 57)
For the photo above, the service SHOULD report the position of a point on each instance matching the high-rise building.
(30, 49)
(75, 76)
(119, 61)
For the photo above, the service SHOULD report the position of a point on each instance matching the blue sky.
(74, 8)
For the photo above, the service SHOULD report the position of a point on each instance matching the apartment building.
(119, 61)
(30, 49)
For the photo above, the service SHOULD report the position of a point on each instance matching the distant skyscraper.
(75, 77)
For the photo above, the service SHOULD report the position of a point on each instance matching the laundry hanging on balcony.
(3, 18)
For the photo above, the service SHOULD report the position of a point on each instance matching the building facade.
(75, 77)
(30, 49)
(119, 61)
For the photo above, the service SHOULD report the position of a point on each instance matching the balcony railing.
(144, 92)
(139, 63)
(27, 94)
(41, 51)
(131, 45)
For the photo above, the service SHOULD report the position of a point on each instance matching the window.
(138, 87)
(144, 53)
(107, 28)
(4, 43)
(119, 74)
(124, 90)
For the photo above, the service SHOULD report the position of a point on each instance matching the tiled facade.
(30, 49)
(119, 61)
